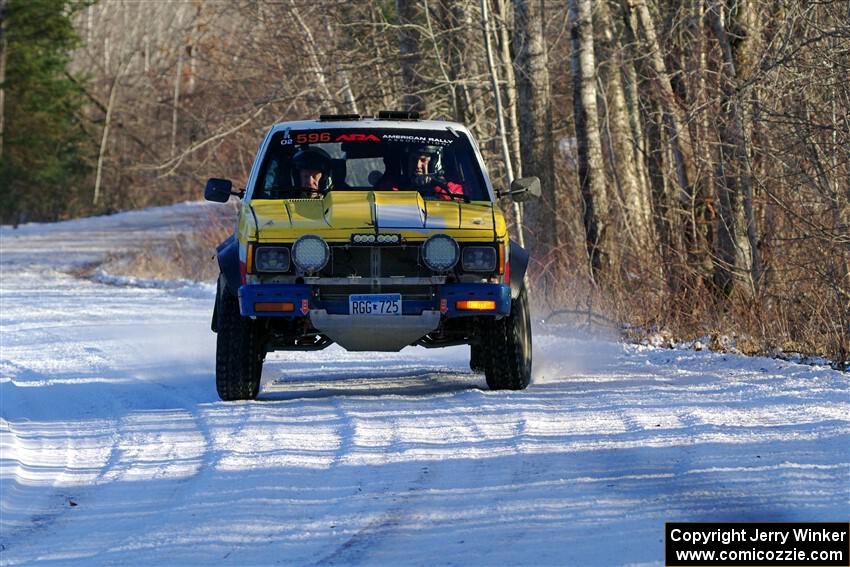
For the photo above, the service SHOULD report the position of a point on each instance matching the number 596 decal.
(312, 137)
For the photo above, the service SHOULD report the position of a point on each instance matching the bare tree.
(503, 136)
(535, 123)
(510, 86)
(625, 167)
(734, 146)
(409, 57)
(2, 71)
(316, 67)
(107, 124)
(671, 116)
(590, 162)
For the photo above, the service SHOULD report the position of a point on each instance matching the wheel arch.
(227, 254)
(519, 264)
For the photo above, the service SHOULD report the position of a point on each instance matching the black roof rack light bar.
(338, 117)
(398, 115)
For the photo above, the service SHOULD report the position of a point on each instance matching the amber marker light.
(266, 307)
(249, 261)
(501, 259)
(476, 305)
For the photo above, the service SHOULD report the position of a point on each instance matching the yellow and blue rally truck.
(374, 233)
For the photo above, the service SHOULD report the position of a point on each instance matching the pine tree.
(41, 166)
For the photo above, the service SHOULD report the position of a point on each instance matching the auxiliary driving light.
(440, 252)
(363, 238)
(372, 239)
(310, 253)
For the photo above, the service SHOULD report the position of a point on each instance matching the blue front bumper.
(305, 297)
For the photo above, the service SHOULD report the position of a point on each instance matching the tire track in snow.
(400, 510)
(365, 540)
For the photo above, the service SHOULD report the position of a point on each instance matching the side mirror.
(220, 190)
(523, 188)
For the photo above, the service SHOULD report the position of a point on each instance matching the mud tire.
(477, 358)
(508, 346)
(239, 352)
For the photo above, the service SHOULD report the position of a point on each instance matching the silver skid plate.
(389, 333)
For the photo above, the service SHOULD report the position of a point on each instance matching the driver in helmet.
(421, 168)
(311, 173)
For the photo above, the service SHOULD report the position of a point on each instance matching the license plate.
(375, 304)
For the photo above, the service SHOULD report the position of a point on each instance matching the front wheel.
(477, 358)
(508, 344)
(239, 352)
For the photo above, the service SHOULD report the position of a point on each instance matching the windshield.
(439, 164)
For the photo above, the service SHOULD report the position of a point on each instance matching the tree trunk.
(466, 65)
(672, 121)
(535, 124)
(313, 54)
(633, 104)
(409, 58)
(638, 213)
(660, 200)
(386, 81)
(705, 180)
(451, 18)
(500, 120)
(591, 168)
(178, 79)
(2, 72)
(104, 138)
(437, 45)
(734, 141)
(510, 88)
(347, 92)
(727, 204)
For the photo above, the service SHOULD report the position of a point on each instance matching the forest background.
(694, 154)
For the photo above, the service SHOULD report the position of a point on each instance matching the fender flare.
(228, 263)
(229, 278)
(519, 264)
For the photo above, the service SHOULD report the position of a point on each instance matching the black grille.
(349, 261)
(402, 261)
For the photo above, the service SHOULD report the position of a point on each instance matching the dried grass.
(190, 255)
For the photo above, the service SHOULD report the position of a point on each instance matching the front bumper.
(306, 298)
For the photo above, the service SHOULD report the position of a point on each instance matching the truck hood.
(340, 212)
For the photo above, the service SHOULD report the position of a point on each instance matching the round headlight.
(310, 253)
(440, 252)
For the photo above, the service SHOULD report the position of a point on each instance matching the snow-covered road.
(114, 448)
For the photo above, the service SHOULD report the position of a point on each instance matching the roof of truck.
(370, 122)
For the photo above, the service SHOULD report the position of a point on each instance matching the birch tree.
(590, 162)
(734, 149)
(671, 118)
(503, 139)
(535, 124)
(625, 166)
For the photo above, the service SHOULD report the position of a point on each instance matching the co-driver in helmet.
(421, 168)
